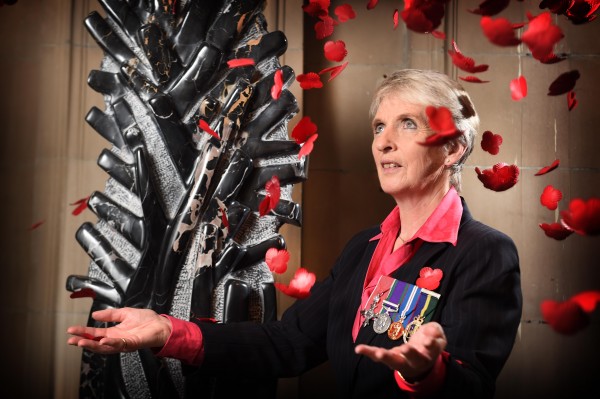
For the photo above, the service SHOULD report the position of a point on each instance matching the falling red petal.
(300, 285)
(240, 62)
(202, 124)
(490, 7)
(440, 120)
(416, 20)
(344, 12)
(564, 317)
(309, 80)
(587, 300)
(335, 50)
(583, 217)
(438, 34)
(463, 62)
(277, 84)
(549, 168)
(335, 70)
(303, 130)
(273, 189)
(541, 36)
(557, 6)
(518, 88)
(500, 177)
(564, 83)
(81, 206)
(550, 197)
(372, 4)
(83, 293)
(556, 231)
(36, 225)
(491, 142)
(472, 79)
(308, 146)
(395, 18)
(317, 8)
(571, 100)
(324, 28)
(499, 31)
(551, 59)
(582, 11)
(277, 260)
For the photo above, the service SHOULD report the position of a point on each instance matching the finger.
(121, 344)
(391, 358)
(110, 315)
(87, 332)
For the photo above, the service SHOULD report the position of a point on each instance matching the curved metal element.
(178, 227)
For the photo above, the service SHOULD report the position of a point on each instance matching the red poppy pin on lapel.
(429, 278)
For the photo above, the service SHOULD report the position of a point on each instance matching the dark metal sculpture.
(178, 228)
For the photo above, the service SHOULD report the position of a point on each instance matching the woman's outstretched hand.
(137, 329)
(414, 359)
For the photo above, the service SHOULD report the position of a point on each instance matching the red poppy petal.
(395, 18)
(467, 64)
(549, 168)
(277, 85)
(499, 31)
(571, 100)
(324, 28)
(500, 177)
(303, 130)
(372, 4)
(344, 12)
(587, 300)
(416, 20)
(541, 36)
(518, 88)
(300, 285)
(83, 293)
(317, 8)
(308, 146)
(472, 79)
(81, 206)
(550, 197)
(240, 62)
(440, 120)
(438, 34)
(335, 51)
(309, 80)
(564, 317)
(335, 71)
(555, 230)
(491, 142)
(202, 124)
(490, 7)
(36, 225)
(429, 278)
(583, 217)
(564, 83)
(277, 260)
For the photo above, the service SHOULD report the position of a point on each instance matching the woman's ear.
(455, 152)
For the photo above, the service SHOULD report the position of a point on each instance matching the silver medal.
(382, 323)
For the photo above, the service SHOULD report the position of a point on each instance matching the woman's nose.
(383, 142)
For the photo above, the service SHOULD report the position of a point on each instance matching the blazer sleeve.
(481, 312)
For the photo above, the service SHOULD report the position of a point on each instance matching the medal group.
(403, 302)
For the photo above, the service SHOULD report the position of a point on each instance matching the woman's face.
(406, 169)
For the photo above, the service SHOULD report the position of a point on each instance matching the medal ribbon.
(408, 300)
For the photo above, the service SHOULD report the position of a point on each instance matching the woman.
(429, 234)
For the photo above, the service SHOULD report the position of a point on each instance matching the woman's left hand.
(415, 359)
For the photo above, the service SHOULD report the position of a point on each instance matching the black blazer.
(479, 309)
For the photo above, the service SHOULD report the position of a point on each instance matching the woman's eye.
(378, 128)
(409, 124)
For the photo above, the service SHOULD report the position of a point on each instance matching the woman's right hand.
(137, 329)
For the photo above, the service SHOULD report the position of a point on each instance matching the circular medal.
(411, 328)
(395, 331)
(382, 323)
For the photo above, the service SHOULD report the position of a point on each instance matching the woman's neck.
(414, 211)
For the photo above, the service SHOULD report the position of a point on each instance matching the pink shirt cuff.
(185, 342)
(430, 384)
